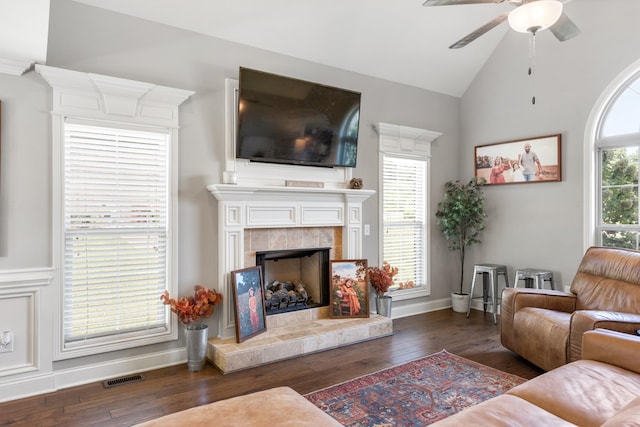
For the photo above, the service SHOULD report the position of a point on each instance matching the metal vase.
(383, 305)
(197, 336)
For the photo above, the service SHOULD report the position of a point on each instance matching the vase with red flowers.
(191, 311)
(381, 279)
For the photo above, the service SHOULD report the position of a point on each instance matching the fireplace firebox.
(294, 279)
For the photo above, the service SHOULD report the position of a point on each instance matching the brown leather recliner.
(546, 327)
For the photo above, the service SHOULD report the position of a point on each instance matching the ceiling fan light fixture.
(535, 16)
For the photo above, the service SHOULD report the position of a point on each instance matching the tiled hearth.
(294, 334)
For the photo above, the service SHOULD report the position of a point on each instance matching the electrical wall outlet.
(6, 342)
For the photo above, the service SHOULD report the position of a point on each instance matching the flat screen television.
(291, 121)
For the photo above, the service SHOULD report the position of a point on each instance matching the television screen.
(285, 120)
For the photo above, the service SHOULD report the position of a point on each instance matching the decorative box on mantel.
(251, 207)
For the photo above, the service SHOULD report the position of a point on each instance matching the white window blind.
(404, 190)
(116, 186)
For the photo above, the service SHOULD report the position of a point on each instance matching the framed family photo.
(249, 303)
(349, 295)
(522, 161)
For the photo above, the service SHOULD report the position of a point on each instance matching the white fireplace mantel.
(231, 192)
(246, 207)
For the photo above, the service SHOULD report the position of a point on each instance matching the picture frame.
(509, 162)
(250, 313)
(349, 293)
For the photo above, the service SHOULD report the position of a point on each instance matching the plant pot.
(459, 302)
(383, 305)
(197, 336)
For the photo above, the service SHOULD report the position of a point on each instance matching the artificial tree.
(461, 217)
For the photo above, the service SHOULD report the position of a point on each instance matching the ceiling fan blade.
(456, 2)
(480, 31)
(564, 29)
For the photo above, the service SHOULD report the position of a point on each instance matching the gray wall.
(93, 40)
(541, 225)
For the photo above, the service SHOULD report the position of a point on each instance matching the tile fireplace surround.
(269, 218)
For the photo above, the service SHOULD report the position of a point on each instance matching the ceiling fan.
(529, 16)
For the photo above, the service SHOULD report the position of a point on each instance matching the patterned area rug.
(416, 393)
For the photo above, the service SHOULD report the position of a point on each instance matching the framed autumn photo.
(349, 295)
(249, 303)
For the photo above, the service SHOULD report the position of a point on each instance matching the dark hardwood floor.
(173, 389)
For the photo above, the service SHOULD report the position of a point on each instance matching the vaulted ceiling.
(397, 40)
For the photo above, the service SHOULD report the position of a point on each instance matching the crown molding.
(99, 96)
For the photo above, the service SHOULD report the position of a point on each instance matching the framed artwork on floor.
(249, 303)
(349, 296)
(522, 161)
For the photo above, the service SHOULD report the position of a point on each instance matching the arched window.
(616, 161)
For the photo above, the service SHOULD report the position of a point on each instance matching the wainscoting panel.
(27, 308)
(19, 317)
(26, 369)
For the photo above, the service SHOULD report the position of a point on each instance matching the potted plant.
(191, 310)
(461, 218)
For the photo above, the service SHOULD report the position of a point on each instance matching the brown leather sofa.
(602, 389)
(546, 327)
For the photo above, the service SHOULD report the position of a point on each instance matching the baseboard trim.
(27, 387)
(412, 309)
(71, 377)
(477, 304)
(115, 368)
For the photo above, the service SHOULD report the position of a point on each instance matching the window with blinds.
(404, 221)
(115, 232)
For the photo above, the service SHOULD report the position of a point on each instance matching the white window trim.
(408, 142)
(591, 177)
(94, 97)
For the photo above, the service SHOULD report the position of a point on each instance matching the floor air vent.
(123, 380)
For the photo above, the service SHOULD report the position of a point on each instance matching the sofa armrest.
(586, 320)
(513, 299)
(612, 347)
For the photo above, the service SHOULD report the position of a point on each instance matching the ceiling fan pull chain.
(532, 64)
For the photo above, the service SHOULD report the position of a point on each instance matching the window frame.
(593, 155)
(424, 225)
(409, 143)
(622, 141)
(94, 98)
(116, 340)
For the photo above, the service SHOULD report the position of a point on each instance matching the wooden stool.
(533, 278)
(491, 272)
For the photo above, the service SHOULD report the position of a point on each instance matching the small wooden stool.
(533, 278)
(491, 272)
